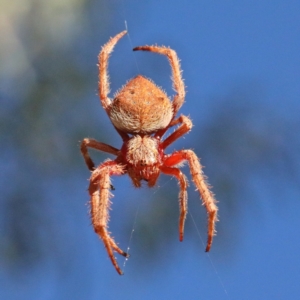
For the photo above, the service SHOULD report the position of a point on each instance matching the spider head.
(140, 107)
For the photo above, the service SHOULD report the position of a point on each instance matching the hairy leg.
(103, 64)
(99, 190)
(199, 180)
(91, 143)
(178, 83)
(182, 195)
(185, 127)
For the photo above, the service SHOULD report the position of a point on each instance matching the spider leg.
(91, 143)
(185, 127)
(178, 84)
(103, 57)
(99, 190)
(199, 180)
(182, 195)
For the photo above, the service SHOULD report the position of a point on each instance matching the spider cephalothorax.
(142, 113)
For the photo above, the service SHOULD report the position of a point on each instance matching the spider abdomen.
(140, 107)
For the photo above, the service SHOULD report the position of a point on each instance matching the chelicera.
(142, 113)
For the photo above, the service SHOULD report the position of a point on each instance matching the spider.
(142, 113)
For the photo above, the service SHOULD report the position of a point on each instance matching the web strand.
(136, 217)
(131, 234)
(209, 257)
(131, 45)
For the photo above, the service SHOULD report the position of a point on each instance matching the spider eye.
(142, 163)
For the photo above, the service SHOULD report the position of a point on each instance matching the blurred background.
(241, 66)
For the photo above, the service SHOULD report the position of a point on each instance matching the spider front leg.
(99, 191)
(199, 180)
(103, 57)
(178, 83)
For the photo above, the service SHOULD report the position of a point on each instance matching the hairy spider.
(142, 113)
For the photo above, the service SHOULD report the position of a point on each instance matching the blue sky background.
(241, 66)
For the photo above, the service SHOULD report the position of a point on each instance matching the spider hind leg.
(199, 180)
(100, 193)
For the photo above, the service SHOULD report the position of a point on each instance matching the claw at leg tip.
(125, 254)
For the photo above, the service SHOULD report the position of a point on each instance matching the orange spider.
(142, 113)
